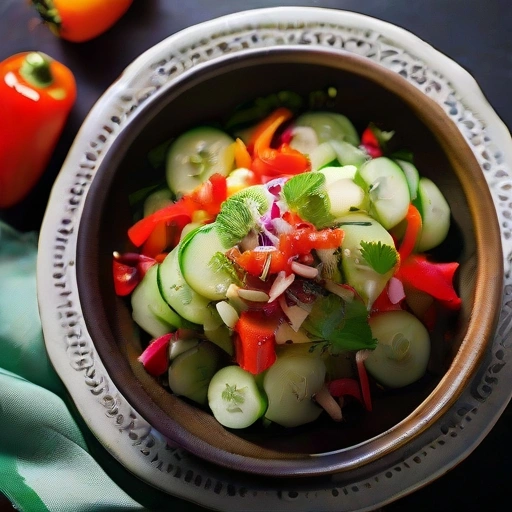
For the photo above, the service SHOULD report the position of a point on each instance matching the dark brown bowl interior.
(366, 92)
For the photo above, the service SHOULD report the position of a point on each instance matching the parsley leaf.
(381, 257)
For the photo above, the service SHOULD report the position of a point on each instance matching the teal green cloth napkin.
(45, 463)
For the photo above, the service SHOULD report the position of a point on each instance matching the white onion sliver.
(253, 295)
(280, 284)
(228, 313)
(304, 270)
(296, 315)
(346, 294)
(285, 333)
(281, 226)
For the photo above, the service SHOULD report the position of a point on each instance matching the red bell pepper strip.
(412, 232)
(36, 97)
(209, 196)
(436, 279)
(268, 161)
(361, 355)
(255, 341)
(265, 130)
(345, 386)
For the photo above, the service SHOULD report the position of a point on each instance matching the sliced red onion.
(396, 291)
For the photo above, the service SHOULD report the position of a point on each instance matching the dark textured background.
(474, 33)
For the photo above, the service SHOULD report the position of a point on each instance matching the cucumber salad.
(283, 272)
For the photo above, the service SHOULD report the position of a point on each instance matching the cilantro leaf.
(343, 325)
(381, 257)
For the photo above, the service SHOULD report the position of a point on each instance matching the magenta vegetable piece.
(345, 386)
(156, 356)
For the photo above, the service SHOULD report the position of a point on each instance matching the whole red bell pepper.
(36, 97)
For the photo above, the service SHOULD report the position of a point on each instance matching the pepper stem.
(35, 69)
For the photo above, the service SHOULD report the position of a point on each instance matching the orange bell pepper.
(36, 97)
(80, 20)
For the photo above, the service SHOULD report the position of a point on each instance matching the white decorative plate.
(117, 425)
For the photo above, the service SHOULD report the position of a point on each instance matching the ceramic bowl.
(366, 92)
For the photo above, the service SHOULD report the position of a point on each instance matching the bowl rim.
(103, 408)
(488, 287)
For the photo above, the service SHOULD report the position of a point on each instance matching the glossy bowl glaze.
(366, 92)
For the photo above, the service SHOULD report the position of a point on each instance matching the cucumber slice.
(157, 200)
(388, 190)
(435, 215)
(403, 349)
(411, 175)
(304, 139)
(149, 309)
(332, 173)
(200, 260)
(345, 196)
(329, 126)
(347, 154)
(234, 398)
(358, 273)
(290, 384)
(178, 294)
(321, 156)
(190, 373)
(197, 154)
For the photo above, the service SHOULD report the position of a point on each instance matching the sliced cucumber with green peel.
(203, 264)
(329, 126)
(365, 278)
(345, 196)
(196, 155)
(157, 200)
(412, 176)
(322, 156)
(435, 215)
(190, 372)
(235, 399)
(290, 384)
(177, 293)
(149, 309)
(403, 349)
(333, 173)
(388, 190)
(348, 154)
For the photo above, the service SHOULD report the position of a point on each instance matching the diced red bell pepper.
(255, 341)
(370, 143)
(128, 270)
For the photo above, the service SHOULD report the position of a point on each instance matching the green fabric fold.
(45, 464)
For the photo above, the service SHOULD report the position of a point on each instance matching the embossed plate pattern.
(138, 446)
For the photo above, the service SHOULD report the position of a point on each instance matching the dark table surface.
(474, 33)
